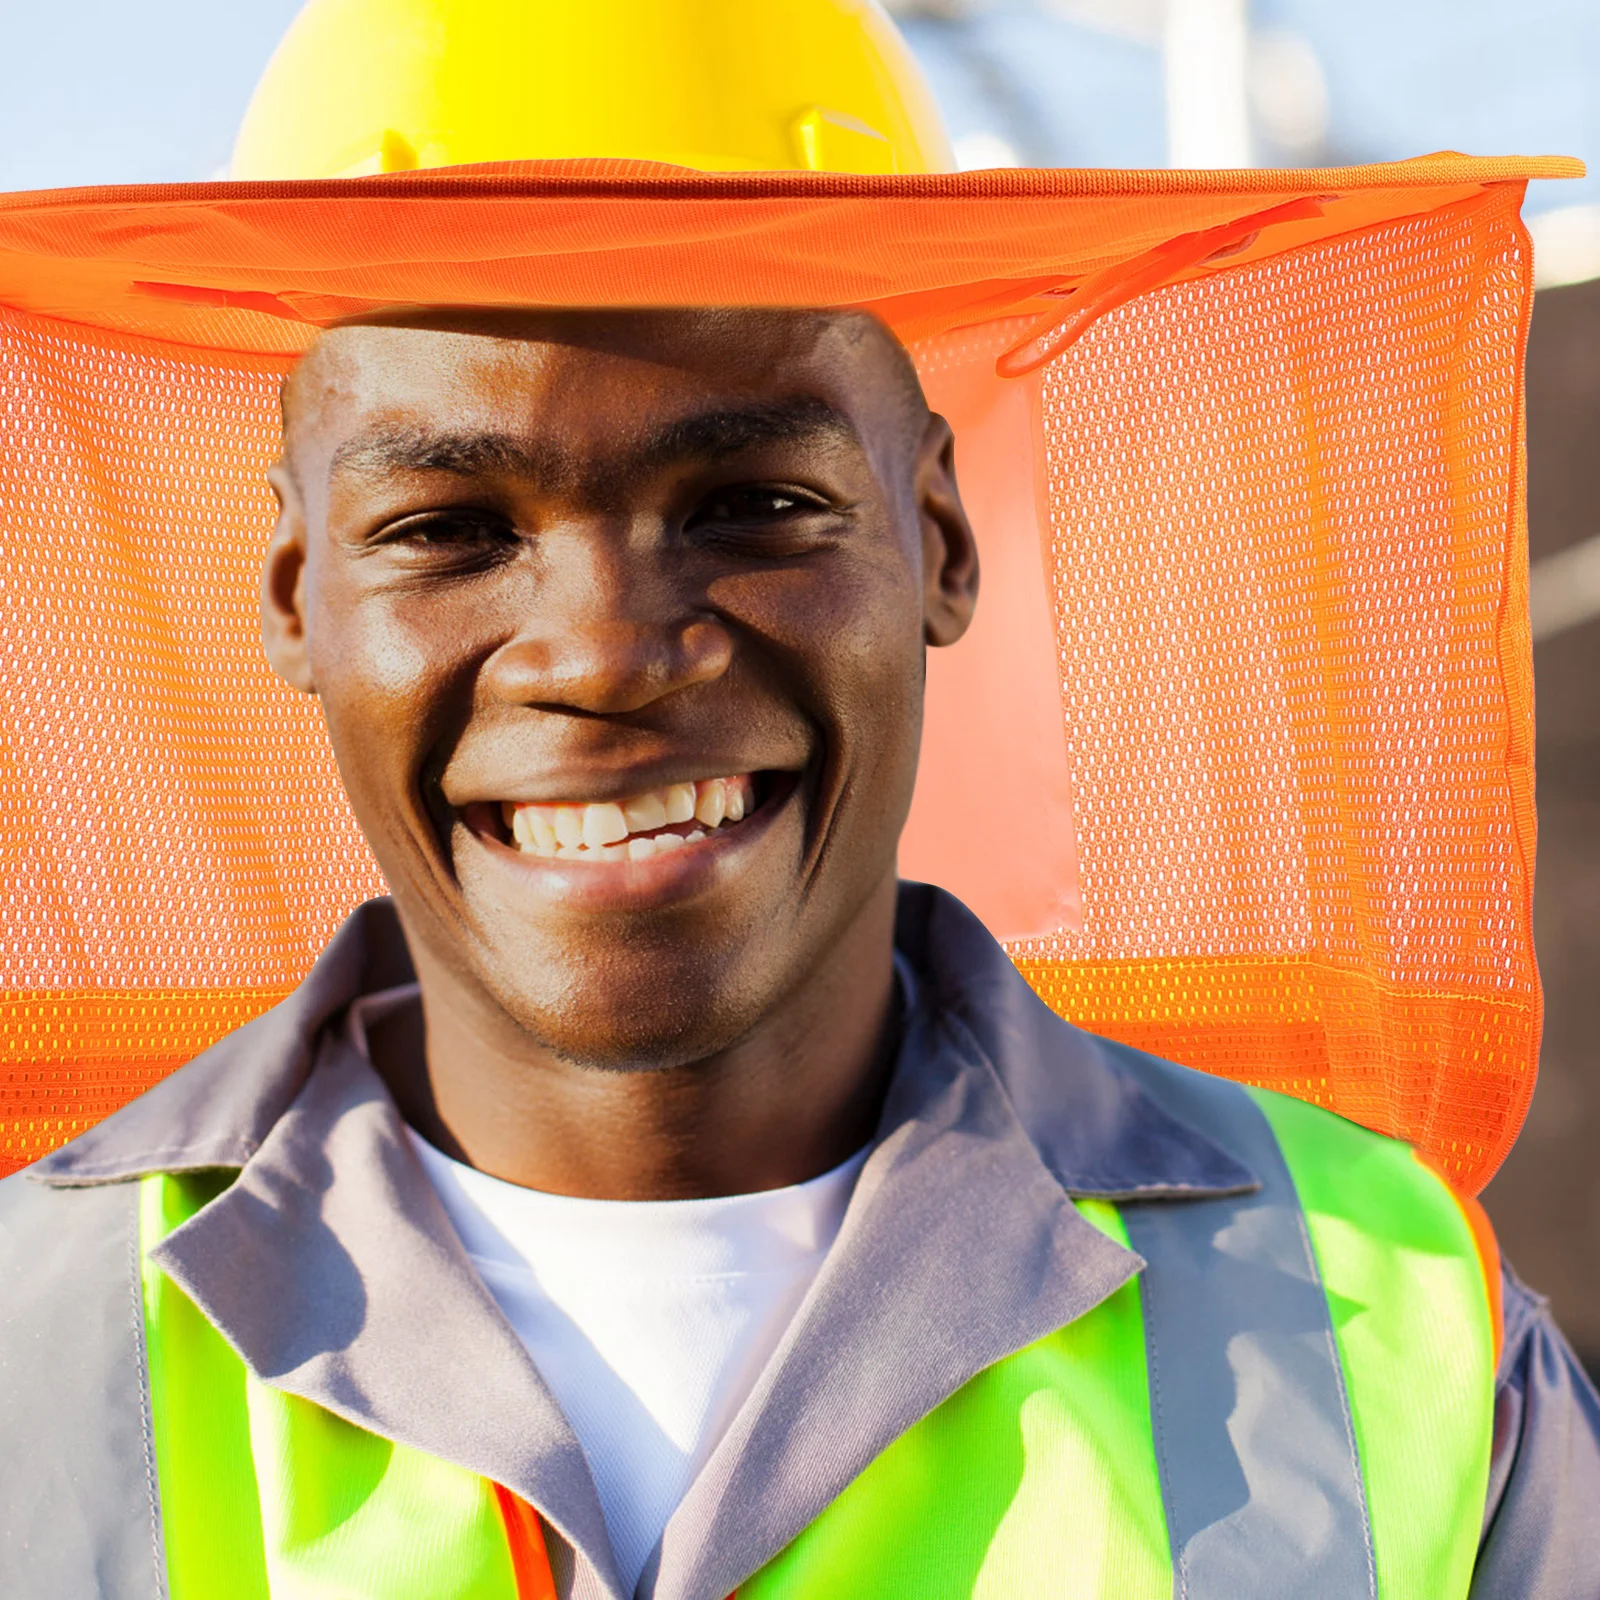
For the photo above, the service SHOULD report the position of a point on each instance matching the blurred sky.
(1080, 82)
(96, 92)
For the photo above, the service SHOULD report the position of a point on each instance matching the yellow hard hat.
(365, 86)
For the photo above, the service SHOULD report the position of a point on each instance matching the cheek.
(390, 693)
(846, 632)
(378, 655)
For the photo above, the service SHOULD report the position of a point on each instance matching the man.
(655, 1197)
(551, 576)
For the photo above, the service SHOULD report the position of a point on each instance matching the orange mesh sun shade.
(1238, 756)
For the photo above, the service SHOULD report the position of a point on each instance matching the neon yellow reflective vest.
(1358, 1414)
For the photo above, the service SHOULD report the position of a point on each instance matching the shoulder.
(1541, 1536)
(49, 1231)
(1377, 1213)
(1365, 1192)
(1332, 1161)
(216, 1110)
(76, 1490)
(1374, 1179)
(1378, 1185)
(69, 1257)
(1314, 1140)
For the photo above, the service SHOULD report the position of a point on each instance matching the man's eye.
(461, 532)
(745, 506)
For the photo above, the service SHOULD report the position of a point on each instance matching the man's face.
(577, 591)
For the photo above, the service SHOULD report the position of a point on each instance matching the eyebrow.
(706, 436)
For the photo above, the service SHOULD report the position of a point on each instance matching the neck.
(795, 1097)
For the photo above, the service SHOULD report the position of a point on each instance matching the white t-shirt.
(649, 1320)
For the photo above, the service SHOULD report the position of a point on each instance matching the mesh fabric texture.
(1281, 534)
(1289, 572)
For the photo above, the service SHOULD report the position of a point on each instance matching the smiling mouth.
(647, 824)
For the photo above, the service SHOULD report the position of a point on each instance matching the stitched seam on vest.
(146, 1410)
(1149, 1289)
(1180, 1573)
(1344, 1397)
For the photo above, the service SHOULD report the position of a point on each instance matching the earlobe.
(283, 586)
(949, 549)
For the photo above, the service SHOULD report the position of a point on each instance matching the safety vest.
(1297, 1391)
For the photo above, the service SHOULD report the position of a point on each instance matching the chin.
(636, 1007)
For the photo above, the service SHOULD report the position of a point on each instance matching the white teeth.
(712, 806)
(603, 824)
(645, 813)
(533, 827)
(679, 799)
(600, 830)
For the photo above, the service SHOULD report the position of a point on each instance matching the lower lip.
(662, 879)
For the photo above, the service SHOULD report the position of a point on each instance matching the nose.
(607, 630)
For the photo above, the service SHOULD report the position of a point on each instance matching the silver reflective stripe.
(1259, 1471)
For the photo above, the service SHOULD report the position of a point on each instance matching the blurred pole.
(1207, 45)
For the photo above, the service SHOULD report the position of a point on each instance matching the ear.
(283, 586)
(949, 551)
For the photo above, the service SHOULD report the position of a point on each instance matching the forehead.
(584, 369)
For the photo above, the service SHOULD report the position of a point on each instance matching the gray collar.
(331, 1267)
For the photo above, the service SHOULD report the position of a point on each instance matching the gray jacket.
(330, 1266)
